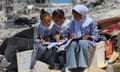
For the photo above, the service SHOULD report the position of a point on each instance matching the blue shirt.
(80, 28)
(62, 29)
(41, 31)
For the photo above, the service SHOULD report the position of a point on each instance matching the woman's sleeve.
(36, 34)
(94, 31)
(71, 28)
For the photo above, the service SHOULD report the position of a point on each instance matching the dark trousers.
(59, 57)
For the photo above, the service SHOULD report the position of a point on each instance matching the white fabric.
(81, 9)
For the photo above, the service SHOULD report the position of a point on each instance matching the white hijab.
(83, 10)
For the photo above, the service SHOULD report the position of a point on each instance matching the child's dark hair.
(58, 13)
(43, 13)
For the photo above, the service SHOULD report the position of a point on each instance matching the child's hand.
(66, 39)
(42, 41)
(57, 37)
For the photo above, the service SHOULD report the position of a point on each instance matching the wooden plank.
(105, 23)
(94, 69)
(55, 71)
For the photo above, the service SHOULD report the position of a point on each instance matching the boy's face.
(46, 20)
(58, 20)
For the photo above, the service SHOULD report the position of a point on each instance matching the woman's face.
(58, 20)
(77, 16)
(46, 20)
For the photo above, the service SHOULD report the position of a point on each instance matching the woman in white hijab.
(83, 27)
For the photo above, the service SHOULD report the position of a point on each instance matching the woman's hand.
(73, 35)
(86, 37)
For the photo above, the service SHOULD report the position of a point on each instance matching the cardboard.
(24, 60)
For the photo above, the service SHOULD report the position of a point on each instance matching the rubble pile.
(9, 32)
(101, 9)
